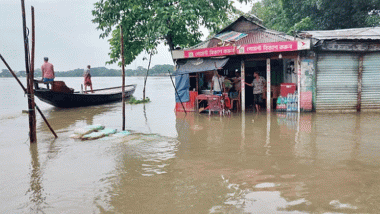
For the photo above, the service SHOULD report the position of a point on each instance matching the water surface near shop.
(173, 163)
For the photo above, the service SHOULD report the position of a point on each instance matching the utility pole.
(123, 75)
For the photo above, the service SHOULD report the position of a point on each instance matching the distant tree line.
(157, 70)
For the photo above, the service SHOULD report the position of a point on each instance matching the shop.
(347, 66)
(240, 50)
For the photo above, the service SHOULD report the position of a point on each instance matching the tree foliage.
(292, 16)
(146, 23)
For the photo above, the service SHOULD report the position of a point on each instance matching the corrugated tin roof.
(370, 33)
(230, 36)
(249, 17)
(256, 36)
(264, 36)
(201, 45)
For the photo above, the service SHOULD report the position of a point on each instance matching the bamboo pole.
(25, 91)
(31, 76)
(269, 98)
(242, 75)
(299, 83)
(31, 112)
(123, 75)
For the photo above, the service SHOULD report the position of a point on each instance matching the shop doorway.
(278, 76)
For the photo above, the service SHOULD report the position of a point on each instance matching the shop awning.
(199, 65)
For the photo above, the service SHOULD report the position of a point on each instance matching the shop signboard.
(210, 52)
(273, 47)
(244, 49)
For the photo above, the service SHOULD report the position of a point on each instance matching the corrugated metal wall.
(371, 81)
(337, 81)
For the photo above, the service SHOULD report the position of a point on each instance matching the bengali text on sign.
(267, 47)
(210, 52)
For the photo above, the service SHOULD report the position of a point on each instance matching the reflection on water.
(35, 192)
(63, 118)
(310, 162)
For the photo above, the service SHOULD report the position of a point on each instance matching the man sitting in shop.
(217, 84)
(259, 87)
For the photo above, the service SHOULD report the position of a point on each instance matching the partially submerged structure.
(347, 64)
(332, 70)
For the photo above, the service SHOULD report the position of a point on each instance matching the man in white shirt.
(217, 83)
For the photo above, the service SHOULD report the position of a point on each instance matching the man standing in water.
(47, 71)
(259, 87)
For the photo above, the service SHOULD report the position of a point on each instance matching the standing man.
(217, 83)
(259, 87)
(237, 85)
(87, 79)
(47, 71)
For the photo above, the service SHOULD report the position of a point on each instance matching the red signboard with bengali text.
(210, 52)
(248, 49)
(267, 47)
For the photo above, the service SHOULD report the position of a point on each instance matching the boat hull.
(70, 100)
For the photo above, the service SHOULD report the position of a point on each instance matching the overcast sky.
(64, 33)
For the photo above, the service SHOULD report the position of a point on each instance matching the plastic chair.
(237, 100)
(214, 104)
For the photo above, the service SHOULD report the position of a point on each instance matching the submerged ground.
(177, 163)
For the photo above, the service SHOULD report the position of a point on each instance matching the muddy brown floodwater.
(177, 163)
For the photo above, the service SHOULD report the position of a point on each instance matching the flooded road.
(177, 163)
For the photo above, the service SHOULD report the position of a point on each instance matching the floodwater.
(177, 163)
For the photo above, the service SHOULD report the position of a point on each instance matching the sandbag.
(88, 129)
(122, 133)
(99, 134)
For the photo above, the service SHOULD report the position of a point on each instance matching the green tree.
(292, 16)
(146, 23)
(5, 73)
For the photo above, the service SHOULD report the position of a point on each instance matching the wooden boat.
(61, 96)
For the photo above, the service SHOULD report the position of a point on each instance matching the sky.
(64, 33)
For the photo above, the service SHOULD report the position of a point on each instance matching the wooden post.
(197, 82)
(299, 83)
(32, 127)
(360, 81)
(242, 75)
(123, 75)
(32, 111)
(268, 86)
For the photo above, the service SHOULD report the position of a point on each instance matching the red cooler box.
(287, 88)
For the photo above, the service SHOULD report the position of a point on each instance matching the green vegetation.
(147, 23)
(291, 16)
(132, 100)
(157, 70)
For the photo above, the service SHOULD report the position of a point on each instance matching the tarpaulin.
(182, 84)
(199, 65)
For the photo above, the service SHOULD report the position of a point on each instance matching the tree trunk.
(146, 77)
(170, 42)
